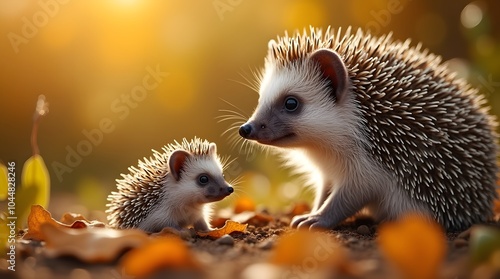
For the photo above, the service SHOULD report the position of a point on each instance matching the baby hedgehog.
(170, 190)
(378, 124)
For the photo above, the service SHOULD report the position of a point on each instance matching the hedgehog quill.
(380, 125)
(174, 188)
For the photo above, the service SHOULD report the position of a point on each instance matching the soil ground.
(239, 255)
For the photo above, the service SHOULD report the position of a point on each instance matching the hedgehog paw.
(310, 221)
(297, 220)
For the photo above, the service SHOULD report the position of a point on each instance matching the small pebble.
(352, 240)
(251, 239)
(226, 240)
(267, 244)
(363, 230)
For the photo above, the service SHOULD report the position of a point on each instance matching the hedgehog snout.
(226, 190)
(245, 130)
(254, 131)
(219, 192)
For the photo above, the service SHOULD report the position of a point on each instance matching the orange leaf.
(70, 218)
(296, 247)
(164, 252)
(218, 222)
(228, 228)
(308, 254)
(93, 246)
(253, 218)
(77, 221)
(415, 245)
(37, 217)
(244, 204)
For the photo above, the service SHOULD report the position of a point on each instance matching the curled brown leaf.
(229, 227)
(94, 245)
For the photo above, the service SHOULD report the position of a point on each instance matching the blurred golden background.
(125, 76)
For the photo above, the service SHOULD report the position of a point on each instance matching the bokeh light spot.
(459, 66)
(261, 185)
(290, 190)
(471, 15)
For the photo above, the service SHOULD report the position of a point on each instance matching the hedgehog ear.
(332, 68)
(212, 148)
(176, 162)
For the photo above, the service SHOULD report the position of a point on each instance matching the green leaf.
(484, 241)
(4, 232)
(35, 187)
(35, 174)
(26, 197)
(4, 184)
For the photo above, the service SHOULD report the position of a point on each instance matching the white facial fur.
(321, 119)
(184, 202)
(329, 145)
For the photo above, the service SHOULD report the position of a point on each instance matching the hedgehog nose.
(245, 130)
(230, 190)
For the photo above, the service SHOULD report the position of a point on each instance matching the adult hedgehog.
(381, 125)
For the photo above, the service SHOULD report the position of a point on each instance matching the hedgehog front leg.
(322, 193)
(338, 206)
(201, 226)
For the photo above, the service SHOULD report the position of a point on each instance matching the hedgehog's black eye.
(291, 104)
(203, 179)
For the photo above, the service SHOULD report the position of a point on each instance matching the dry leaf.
(312, 252)
(76, 220)
(70, 218)
(293, 248)
(415, 245)
(243, 204)
(253, 218)
(219, 221)
(228, 228)
(95, 245)
(37, 217)
(159, 253)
